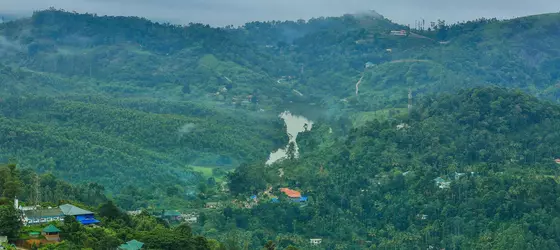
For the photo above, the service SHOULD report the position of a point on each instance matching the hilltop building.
(32, 215)
(83, 216)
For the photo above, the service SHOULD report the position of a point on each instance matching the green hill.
(139, 106)
(107, 141)
(376, 187)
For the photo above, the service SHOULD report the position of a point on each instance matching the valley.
(350, 132)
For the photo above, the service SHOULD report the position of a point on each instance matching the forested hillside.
(87, 104)
(138, 106)
(493, 148)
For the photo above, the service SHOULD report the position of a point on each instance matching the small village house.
(83, 216)
(172, 215)
(131, 245)
(51, 233)
(134, 213)
(293, 195)
(398, 32)
(190, 217)
(315, 242)
(441, 183)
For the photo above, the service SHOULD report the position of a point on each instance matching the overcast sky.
(236, 12)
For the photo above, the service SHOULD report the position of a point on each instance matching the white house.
(441, 183)
(315, 242)
(398, 32)
(134, 213)
(190, 218)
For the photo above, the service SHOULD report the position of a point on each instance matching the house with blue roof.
(83, 216)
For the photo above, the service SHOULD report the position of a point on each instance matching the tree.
(291, 151)
(442, 30)
(184, 230)
(112, 212)
(10, 182)
(9, 221)
(201, 243)
(172, 191)
(71, 229)
(270, 245)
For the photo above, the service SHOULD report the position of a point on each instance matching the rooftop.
(171, 213)
(132, 245)
(51, 229)
(291, 193)
(43, 213)
(68, 209)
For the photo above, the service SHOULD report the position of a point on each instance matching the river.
(294, 124)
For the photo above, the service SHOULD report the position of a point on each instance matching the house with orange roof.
(293, 195)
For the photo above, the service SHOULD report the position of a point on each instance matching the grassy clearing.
(207, 171)
(361, 118)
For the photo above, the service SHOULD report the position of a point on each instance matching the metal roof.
(132, 245)
(68, 209)
(43, 213)
(51, 229)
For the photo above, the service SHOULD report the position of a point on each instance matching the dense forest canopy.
(156, 115)
(495, 149)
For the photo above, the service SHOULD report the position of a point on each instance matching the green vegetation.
(116, 226)
(216, 172)
(377, 186)
(157, 113)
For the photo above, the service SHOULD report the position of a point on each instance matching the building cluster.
(48, 217)
(33, 215)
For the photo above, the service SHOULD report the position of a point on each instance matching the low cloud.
(186, 129)
(7, 46)
(237, 12)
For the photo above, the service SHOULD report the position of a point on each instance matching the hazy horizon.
(221, 12)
